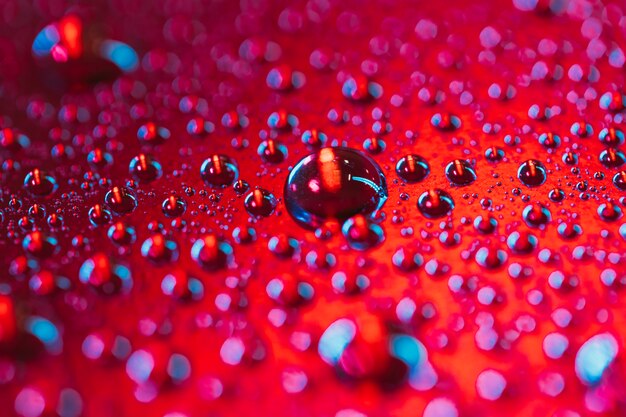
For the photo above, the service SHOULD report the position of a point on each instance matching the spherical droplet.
(121, 234)
(174, 206)
(211, 253)
(260, 202)
(612, 158)
(446, 122)
(39, 184)
(334, 183)
(610, 211)
(145, 168)
(151, 134)
(38, 245)
(536, 215)
(412, 168)
(120, 200)
(362, 234)
(532, 173)
(314, 138)
(159, 250)
(104, 275)
(494, 154)
(99, 215)
(435, 203)
(219, 171)
(485, 224)
(460, 172)
(272, 151)
(611, 137)
(490, 258)
(522, 242)
(619, 180)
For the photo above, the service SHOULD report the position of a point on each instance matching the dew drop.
(39, 184)
(435, 203)
(412, 168)
(459, 172)
(334, 183)
(362, 234)
(174, 206)
(145, 168)
(211, 253)
(219, 171)
(532, 173)
(120, 200)
(260, 203)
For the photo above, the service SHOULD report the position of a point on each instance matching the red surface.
(194, 50)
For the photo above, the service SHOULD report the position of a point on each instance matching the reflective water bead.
(334, 183)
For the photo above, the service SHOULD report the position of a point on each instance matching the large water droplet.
(532, 173)
(334, 183)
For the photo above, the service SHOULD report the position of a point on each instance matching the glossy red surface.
(150, 266)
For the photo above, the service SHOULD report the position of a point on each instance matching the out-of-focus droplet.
(39, 184)
(211, 253)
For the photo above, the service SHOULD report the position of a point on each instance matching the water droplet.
(219, 171)
(609, 212)
(174, 206)
(549, 140)
(260, 202)
(460, 172)
(485, 224)
(490, 258)
(362, 234)
(536, 215)
(446, 122)
(611, 137)
(211, 253)
(39, 184)
(145, 168)
(314, 138)
(38, 245)
(412, 168)
(522, 242)
(99, 216)
(619, 180)
(272, 151)
(569, 230)
(104, 275)
(120, 200)
(334, 183)
(556, 195)
(435, 203)
(494, 154)
(121, 234)
(612, 158)
(159, 250)
(151, 134)
(532, 173)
